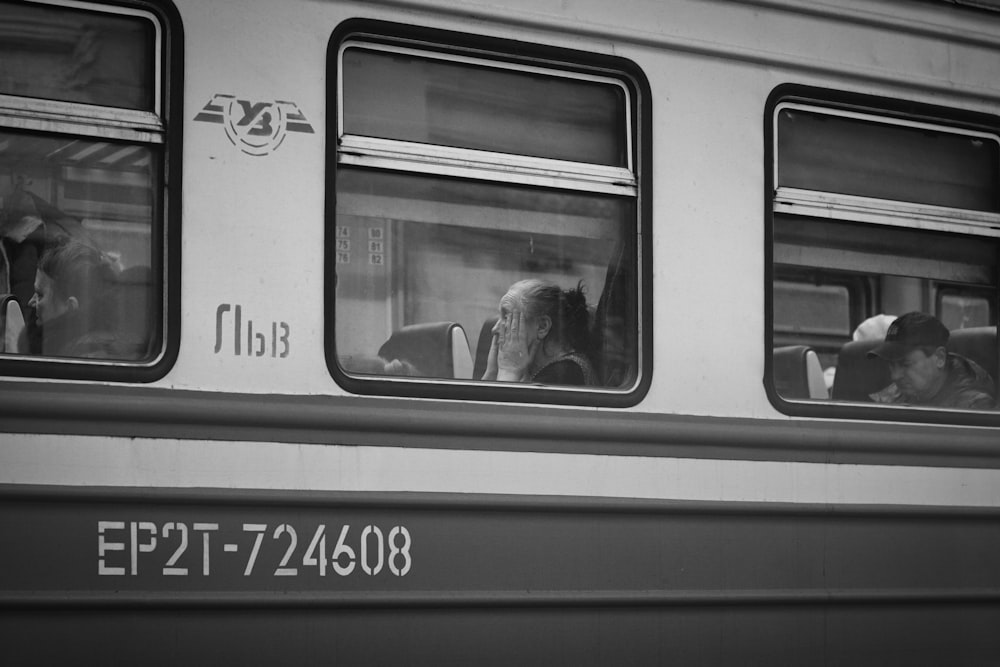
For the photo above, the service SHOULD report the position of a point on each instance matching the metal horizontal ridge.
(27, 407)
(465, 502)
(824, 12)
(503, 167)
(28, 600)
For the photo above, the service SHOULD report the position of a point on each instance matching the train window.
(910, 205)
(83, 148)
(960, 309)
(486, 226)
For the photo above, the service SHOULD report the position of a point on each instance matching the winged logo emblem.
(256, 128)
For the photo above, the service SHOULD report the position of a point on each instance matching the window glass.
(857, 156)
(522, 270)
(811, 309)
(76, 56)
(963, 311)
(78, 248)
(446, 103)
(418, 249)
(904, 266)
(930, 278)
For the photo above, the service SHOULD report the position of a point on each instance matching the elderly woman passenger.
(542, 335)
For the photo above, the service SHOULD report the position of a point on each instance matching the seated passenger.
(542, 335)
(874, 328)
(73, 285)
(924, 372)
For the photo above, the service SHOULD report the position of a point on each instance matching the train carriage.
(260, 262)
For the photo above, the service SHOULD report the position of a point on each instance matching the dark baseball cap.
(909, 331)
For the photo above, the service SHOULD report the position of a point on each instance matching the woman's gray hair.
(566, 308)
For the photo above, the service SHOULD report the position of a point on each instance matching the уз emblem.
(256, 128)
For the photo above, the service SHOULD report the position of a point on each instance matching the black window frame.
(167, 201)
(514, 53)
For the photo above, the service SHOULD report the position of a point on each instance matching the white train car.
(253, 255)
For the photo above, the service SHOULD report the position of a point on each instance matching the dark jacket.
(968, 387)
(570, 369)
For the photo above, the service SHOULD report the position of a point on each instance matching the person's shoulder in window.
(969, 386)
(73, 301)
(574, 369)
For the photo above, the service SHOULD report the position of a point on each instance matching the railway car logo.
(256, 128)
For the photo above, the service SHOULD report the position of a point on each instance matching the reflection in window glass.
(811, 309)
(76, 56)
(856, 156)
(411, 98)
(77, 245)
(964, 311)
(413, 250)
(816, 315)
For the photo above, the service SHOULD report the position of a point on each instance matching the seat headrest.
(11, 323)
(483, 344)
(430, 348)
(797, 372)
(858, 376)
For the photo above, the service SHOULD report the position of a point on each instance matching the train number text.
(182, 549)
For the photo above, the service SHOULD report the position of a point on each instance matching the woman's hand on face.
(515, 349)
(491, 360)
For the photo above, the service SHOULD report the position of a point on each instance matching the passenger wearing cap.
(924, 372)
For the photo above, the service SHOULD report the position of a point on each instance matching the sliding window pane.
(856, 156)
(410, 98)
(76, 56)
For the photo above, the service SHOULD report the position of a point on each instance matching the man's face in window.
(47, 303)
(919, 375)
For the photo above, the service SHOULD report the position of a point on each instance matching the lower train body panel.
(173, 576)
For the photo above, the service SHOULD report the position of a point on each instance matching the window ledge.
(885, 212)
(461, 162)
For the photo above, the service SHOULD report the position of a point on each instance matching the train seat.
(798, 373)
(435, 349)
(483, 344)
(11, 323)
(858, 376)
